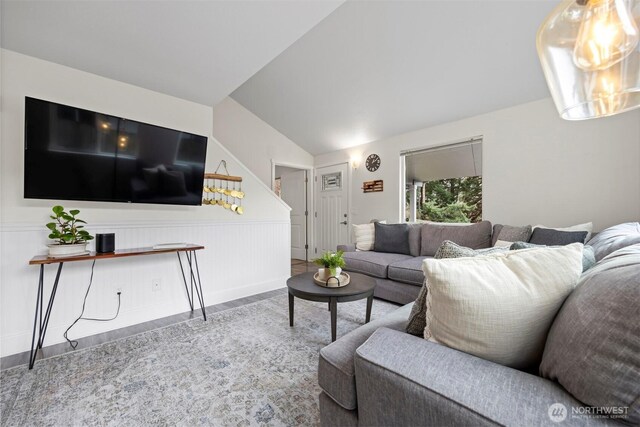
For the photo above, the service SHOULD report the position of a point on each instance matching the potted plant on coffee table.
(332, 263)
(68, 232)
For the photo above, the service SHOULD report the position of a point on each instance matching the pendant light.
(590, 55)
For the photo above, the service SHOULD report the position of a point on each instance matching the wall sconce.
(590, 57)
(355, 161)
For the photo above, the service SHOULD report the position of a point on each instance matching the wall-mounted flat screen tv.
(76, 154)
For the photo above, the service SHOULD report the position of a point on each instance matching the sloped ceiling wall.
(195, 50)
(374, 69)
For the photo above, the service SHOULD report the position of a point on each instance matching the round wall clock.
(373, 162)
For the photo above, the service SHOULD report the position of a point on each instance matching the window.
(332, 181)
(444, 184)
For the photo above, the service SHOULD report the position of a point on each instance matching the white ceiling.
(196, 50)
(371, 70)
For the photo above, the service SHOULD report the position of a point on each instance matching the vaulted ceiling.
(327, 74)
(380, 68)
(196, 50)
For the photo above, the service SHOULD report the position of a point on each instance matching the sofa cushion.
(509, 233)
(371, 263)
(474, 236)
(500, 306)
(336, 372)
(613, 238)
(399, 293)
(593, 347)
(415, 238)
(408, 271)
(391, 238)
(551, 237)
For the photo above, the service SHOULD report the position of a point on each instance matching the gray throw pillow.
(588, 256)
(613, 238)
(593, 346)
(551, 237)
(392, 238)
(448, 249)
(509, 233)
(474, 236)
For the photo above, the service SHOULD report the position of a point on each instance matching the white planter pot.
(58, 250)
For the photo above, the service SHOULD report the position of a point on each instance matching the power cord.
(74, 343)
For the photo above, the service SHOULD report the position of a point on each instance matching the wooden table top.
(120, 253)
(304, 283)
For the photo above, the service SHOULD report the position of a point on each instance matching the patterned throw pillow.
(588, 254)
(448, 249)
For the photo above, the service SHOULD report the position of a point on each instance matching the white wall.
(254, 142)
(245, 254)
(537, 168)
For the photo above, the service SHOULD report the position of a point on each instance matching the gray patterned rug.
(243, 367)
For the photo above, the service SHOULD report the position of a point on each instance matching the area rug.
(243, 367)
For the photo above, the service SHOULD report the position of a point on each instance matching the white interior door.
(332, 195)
(293, 191)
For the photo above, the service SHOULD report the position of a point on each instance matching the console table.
(41, 321)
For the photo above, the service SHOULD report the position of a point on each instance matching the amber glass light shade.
(590, 56)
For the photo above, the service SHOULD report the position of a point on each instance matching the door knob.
(344, 222)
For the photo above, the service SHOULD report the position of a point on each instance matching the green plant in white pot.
(332, 263)
(68, 232)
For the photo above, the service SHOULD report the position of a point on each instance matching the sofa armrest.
(347, 248)
(402, 379)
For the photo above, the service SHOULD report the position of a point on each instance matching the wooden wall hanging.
(372, 186)
(217, 192)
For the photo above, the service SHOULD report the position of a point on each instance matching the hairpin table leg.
(41, 322)
(196, 284)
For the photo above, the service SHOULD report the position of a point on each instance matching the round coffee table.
(303, 286)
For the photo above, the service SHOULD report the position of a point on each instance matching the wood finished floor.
(297, 267)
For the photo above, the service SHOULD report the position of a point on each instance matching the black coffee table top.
(359, 283)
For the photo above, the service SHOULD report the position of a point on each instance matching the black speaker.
(105, 243)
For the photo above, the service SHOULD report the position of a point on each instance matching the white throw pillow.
(365, 235)
(587, 226)
(500, 307)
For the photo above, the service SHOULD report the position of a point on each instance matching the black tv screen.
(76, 154)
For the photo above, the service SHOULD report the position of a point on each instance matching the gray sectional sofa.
(379, 375)
(399, 276)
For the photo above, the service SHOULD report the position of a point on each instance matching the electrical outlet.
(156, 285)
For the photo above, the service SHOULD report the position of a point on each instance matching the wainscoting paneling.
(240, 259)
